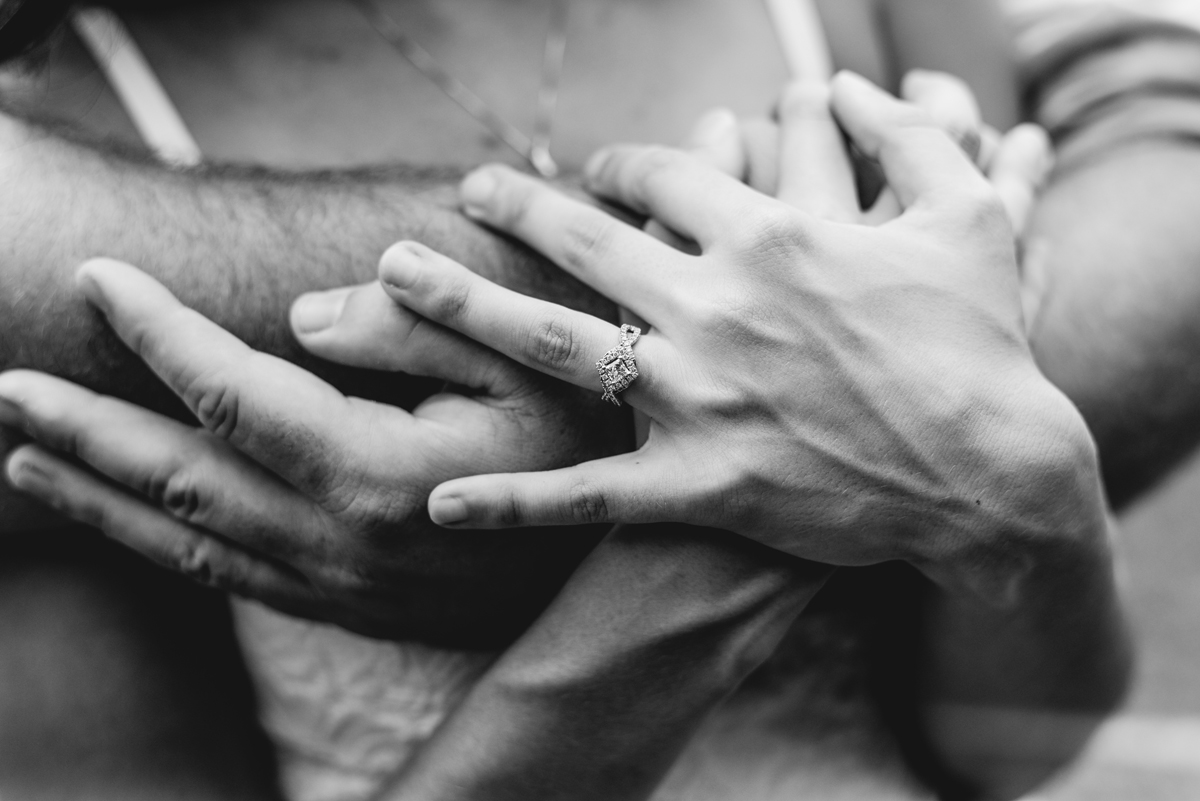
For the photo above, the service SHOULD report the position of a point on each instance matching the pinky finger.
(620, 489)
(87, 499)
(1019, 170)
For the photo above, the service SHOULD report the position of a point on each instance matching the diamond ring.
(618, 367)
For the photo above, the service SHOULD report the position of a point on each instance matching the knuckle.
(553, 344)
(195, 561)
(981, 209)
(587, 239)
(449, 304)
(216, 404)
(774, 232)
(587, 504)
(180, 495)
(509, 511)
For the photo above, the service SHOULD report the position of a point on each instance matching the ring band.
(618, 367)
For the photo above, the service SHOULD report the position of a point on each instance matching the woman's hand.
(845, 393)
(290, 492)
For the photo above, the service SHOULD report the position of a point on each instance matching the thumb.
(361, 326)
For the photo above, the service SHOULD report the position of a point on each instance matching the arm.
(237, 243)
(241, 244)
(1112, 250)
(1111, 285)
(596, 701)
(1021, 607)
(1007, 693)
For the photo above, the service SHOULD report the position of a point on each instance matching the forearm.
(599, 697)
(1021, 647)
(1117, 265)
(236, 244)
(1009, 694)
(1113, 251)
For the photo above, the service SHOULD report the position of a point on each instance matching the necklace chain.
(535, 149)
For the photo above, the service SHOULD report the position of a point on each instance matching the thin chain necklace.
(535, 148)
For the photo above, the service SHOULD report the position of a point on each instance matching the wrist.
(1036, 499)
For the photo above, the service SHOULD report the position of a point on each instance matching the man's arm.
(1113, 255)
(238, 244)
(1112, 287)
(1008, 694)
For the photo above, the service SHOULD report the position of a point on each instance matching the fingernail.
(476, 192)
(400, 265)
(317, 311)
(447, 511)
(29, 477)
(712, 128)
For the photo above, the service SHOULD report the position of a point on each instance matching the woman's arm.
(657, 626)
(1023, 613)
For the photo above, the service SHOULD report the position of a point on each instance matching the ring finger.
(551, 339)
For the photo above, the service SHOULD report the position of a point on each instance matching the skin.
(241, 398)
(78, 347)
(1084, 235)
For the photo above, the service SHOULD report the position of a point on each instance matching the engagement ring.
(618, 367)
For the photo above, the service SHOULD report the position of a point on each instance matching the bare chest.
(309, 83)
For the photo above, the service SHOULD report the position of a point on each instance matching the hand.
(290, 492)
(1016, 163)
(845, 393)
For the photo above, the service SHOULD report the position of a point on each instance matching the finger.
(673, 187)
(716, 141)
(1019, 170)
(362, 326)
(920, 162)
(274, 412)
(815, 174)
(885, 208)
(760, 139)
(989, 144)
(951, 104)
(187, 472)
(153, 533)
(551, 339)
(620, 489)
(612, 257)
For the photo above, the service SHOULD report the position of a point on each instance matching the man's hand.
(294, 494)
(1016, 163)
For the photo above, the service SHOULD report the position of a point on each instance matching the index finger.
(274, 412)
